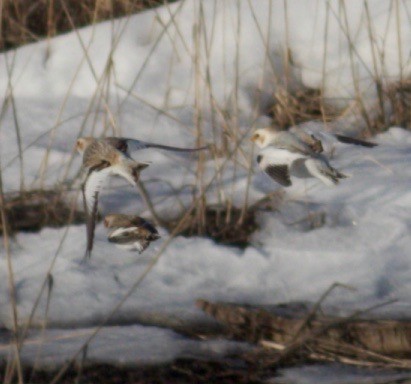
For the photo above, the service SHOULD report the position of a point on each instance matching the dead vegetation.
(285, 339)
(23, 21)
(33, 210)
(227, 224)
(283, 335)
(292, 108)
(392, 108)
(399, 99)
(281, 340)
(223, 225)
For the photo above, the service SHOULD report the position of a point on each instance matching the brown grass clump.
(227, 224)
(33, 210)
(392, 107)
(399, 97)
(289, 109)
(24, 21)
(223, 225)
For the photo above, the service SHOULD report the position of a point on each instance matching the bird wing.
(280, 173)
(130, 238)
(351, 140)
(91, 190)
(328, 138)
(292, 143)
(135, 145)
(310, 139)
(277, 169)
(146, 227)
(124, 235)
(322, 170)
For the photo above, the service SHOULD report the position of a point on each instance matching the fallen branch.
(318, 337)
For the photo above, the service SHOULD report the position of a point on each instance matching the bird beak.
(253, 138)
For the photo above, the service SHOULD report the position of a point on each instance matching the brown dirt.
(182, 371)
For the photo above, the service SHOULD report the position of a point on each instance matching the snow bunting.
(300, 139)
(280, 164)
(126, 145)
(101, 160)
(286, 154)
(265, 137)
(108, 156)
(131, 233)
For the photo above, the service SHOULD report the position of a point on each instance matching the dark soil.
(182, 371)
(223, 225)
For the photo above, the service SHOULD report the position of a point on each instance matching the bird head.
(82, 143)
(109, 220)
(263, 137)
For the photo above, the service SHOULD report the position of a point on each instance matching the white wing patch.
(128, 239)
(91, 190)
(118, 232)
(93, 185)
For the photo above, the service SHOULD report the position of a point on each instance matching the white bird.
(303, 140)
(281, 164)
(264, 137)
(131, 233)
(101, 160)
(285, 154)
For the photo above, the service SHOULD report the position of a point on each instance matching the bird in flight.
(301, 137)
(307, 145)
(131, 233)
(285, 154)
(281, 164)
(103, 157)
(100, 160)
(127, 145)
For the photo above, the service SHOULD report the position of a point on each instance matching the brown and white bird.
(304, 140)
(285, 154)
(131, 233)
(100, 160)
(103, 157)
(306, 145)
(127, 145)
